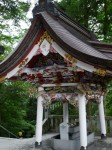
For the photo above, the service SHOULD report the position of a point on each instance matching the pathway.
(28, 144)
(101, 144)
(21, 144)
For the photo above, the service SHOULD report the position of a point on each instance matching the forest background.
(17, 109)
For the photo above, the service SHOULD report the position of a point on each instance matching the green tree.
(31, 110)
(12, 20)
(95, 15)
(13, 95)
(13, 103)
(109, 100)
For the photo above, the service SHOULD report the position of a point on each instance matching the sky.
(29, 14)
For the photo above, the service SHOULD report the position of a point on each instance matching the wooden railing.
(93, 123)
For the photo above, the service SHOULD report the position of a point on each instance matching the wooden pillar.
(102, 118)
(82, 121)
(39, 120)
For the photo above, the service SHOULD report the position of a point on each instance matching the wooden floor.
(28, 144)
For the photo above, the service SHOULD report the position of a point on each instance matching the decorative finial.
(43, 5)
(43, 2)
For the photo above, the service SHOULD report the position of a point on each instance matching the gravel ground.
(97, 145)
(14, 144)
(22, 144)
(101, 144)
(28, 144)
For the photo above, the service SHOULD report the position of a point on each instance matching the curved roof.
(73, 38)
(23, 49)
(71, 43)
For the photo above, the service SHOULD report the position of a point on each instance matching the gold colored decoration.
(19, 72)
(74, 102)
(47, 37)
(70, 58)
(23, 63)
(2, 79)
(100, 71)
(46, 100)
(33, 92)
(83, 90)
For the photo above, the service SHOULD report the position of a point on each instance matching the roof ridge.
(50, 7)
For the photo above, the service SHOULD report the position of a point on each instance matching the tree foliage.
(13, 103)
(12, 20)
(109, 100)
(13, 95)
(95, 15)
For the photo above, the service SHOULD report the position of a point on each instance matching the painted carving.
(23, 63)
(45, 45)
(70, 59)
(2, 79)
(47, 37)
(101, 72)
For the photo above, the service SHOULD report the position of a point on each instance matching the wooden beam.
(62, 84)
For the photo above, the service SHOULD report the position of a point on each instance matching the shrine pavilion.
(67, 63)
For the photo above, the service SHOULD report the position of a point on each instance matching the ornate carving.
(74, 101)
(92, 91)
(2, 79)
(47, 37)
(100, 71)
(70, 58)
(33, 92)
(93, 97)
(46, 100)
(23, 63)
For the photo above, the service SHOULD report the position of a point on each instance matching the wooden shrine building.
(58, 52)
